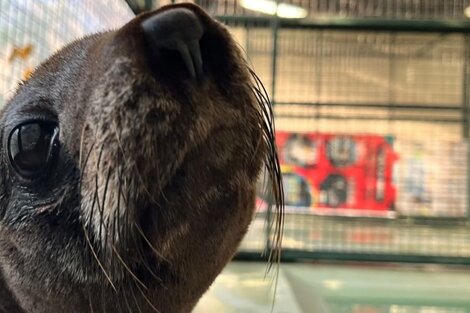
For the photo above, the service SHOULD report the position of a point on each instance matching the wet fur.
(155, 184)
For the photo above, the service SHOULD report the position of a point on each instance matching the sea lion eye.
(32, 146)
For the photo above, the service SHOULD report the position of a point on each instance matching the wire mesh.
(32, 30)
(372, 131)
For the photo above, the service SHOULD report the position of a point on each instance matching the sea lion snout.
(179, 30)
(176, 44)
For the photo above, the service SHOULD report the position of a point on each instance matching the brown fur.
(154, 186)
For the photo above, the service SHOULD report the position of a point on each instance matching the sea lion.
(128, 170)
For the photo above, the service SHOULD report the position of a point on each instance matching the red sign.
(337, 173)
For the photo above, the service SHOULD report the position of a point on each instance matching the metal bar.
(372, 54)
(391, 77)
(466, 112)
(290, 255)
(378, 106)
(275, 34)
(371, 118)
(443, 25)
(247, 41)
(149, 4)
(318, 66)
(466, 90)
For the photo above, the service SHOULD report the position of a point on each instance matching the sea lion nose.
(179, 30)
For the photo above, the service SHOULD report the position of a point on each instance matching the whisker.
(108, 219)
(148, 300)
(139, 229)
(88, 241)
(87, 238)
(126, 216)
(274, 179)
(135, 300)
(119, 306)
(128, 269)
(125, 295)
(100, 209)
(82, 143)
(147, 266)
(273, 168)
(83, 167)
(139, 175)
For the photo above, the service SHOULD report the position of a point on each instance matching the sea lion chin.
(129, 168)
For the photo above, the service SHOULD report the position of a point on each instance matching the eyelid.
(37, 110)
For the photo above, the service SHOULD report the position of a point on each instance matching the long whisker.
(139, 175)
(126, 300)
(139, 229)
(119, 304)
(108, 219)
(274, 178)
(87, 238)
(273, 168)
(97, 196)
(124, 264)
(85, 231)
(148, 300)
(144, 262)
(135, 300)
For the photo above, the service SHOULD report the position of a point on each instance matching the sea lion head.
(129, 162)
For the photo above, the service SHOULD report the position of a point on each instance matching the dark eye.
(32, 147)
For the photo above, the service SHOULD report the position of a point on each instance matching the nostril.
(179, 30)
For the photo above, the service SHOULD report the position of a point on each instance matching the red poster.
(343, 174)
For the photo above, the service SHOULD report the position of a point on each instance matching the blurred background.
(372, 107)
